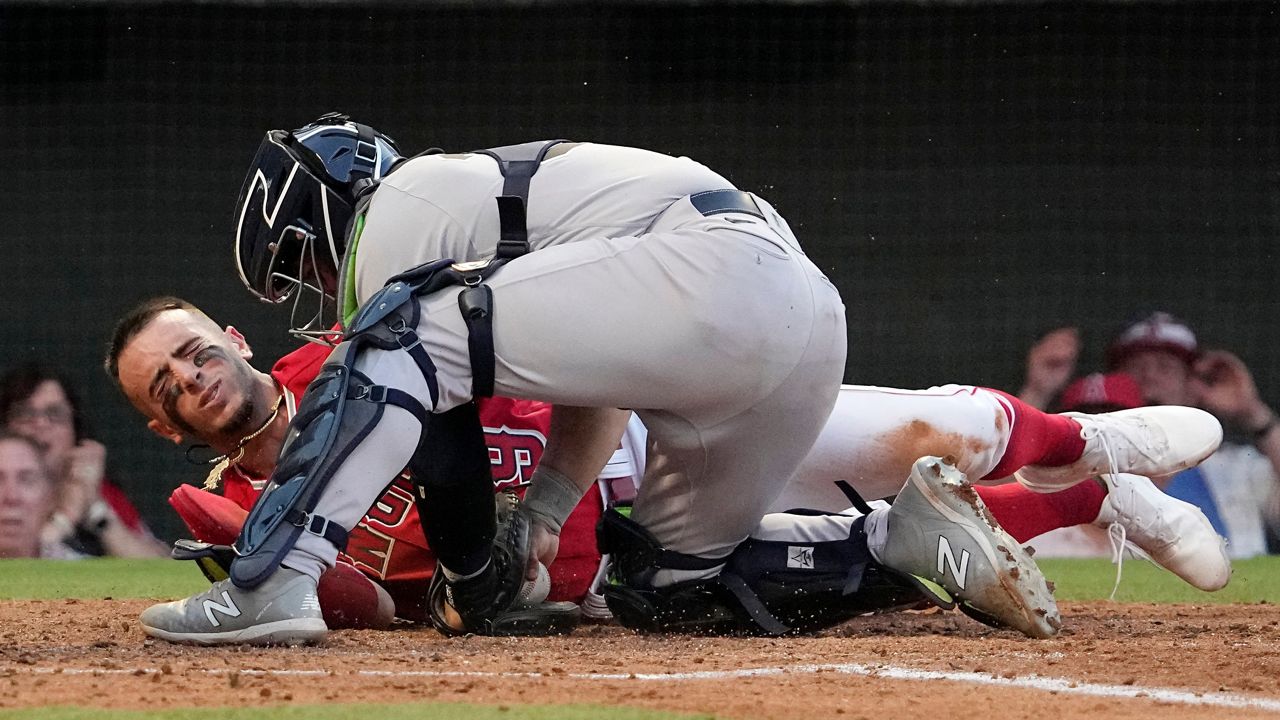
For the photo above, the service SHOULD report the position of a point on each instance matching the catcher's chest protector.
(342, 406)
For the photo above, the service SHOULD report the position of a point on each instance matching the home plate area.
(1112, 660)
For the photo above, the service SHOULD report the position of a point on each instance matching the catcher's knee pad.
(765, 588)
(339, 409)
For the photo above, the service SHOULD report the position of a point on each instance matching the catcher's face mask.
(293, 212)
(289, 233)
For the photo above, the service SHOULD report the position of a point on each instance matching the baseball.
(535, 591)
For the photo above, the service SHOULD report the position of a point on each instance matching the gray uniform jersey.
(442, 206)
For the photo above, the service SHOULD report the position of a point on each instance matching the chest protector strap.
(518, 163)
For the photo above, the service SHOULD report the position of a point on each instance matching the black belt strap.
(716, 202)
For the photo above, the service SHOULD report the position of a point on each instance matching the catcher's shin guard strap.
(725, 604)
(810, 585)
(390, 321)
(335, 416)
(637, 554)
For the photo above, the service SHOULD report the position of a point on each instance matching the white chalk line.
(1065, 686)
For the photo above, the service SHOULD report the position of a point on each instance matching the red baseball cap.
(1158, 331)
(1099, 392)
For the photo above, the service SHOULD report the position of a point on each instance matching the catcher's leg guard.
(340, 407)
(454, 479)
(767, 587)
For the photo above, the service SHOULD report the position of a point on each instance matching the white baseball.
(535, 591)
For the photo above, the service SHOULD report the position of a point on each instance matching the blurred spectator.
(91, 513)
(1098, 393)
(26, 501)
(1051, 362)
(1237, 486)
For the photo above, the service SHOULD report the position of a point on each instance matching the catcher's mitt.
(489, 603)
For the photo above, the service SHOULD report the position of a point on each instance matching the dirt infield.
(1113, 661)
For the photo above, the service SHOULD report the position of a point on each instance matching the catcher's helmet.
(300, 192)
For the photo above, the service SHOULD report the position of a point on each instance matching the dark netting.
(969, 175)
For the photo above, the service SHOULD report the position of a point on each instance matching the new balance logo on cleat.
(229, 609)
(947, 560)
(800, 556)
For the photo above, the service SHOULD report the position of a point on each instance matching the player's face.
(47, 418)
(1163, 376)
(192, 378)
(26, 499)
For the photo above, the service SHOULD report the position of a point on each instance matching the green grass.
(97, 579)
(414, 711)
(1255, 580)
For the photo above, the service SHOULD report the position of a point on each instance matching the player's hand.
(87, 463)
(1223, 385)
(544, 545)
(1051, 362)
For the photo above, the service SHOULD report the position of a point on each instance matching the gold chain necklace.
(222, 462)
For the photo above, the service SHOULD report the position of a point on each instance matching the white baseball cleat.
(940, 530)
(1174, 534)
(283, 610)
(1148, 441)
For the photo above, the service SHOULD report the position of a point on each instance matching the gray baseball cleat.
(283, 610)
(1149, 441)
(940, 530)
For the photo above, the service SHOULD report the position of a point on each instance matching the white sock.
(311, 555)
(877, 529)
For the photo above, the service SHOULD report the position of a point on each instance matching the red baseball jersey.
(388, 545)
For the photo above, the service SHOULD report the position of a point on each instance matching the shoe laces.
(1101, 427)
(1133, 508)
(1118, 537)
